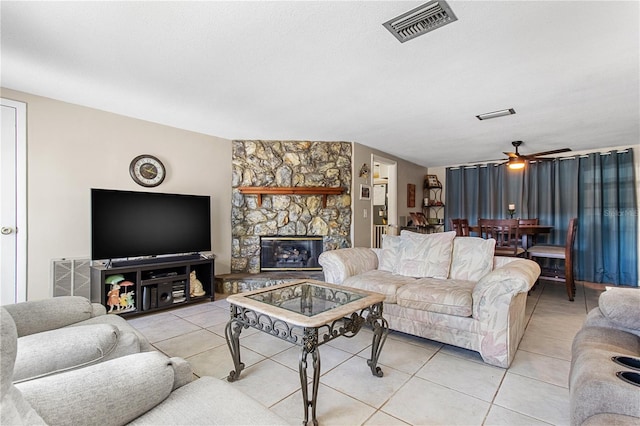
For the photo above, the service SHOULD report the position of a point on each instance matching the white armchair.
(142, 389)
(64, 333)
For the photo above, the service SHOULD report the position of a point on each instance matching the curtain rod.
(624, 151)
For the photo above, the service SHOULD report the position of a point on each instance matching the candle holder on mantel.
(511, 212)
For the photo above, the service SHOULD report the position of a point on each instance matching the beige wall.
(71, 149)
(407, 172)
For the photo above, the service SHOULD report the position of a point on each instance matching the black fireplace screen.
(290, 253)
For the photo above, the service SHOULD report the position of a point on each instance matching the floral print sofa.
(445, 288)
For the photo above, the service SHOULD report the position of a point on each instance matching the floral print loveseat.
(445, 288)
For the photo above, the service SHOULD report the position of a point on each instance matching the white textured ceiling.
(330, 71)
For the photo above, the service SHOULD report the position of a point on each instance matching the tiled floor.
(424, 383)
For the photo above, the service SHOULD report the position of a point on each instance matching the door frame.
(21, 196)
(392, 192)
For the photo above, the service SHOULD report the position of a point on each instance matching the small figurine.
(123, 301)
(113, 297)
(130, 301)
(195, 286)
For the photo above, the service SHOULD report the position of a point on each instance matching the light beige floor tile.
(221, 303)
(333, 408)
(430, 345)
(383, 419)
(268, 382)
(549, 326)
(166, 329)
(556, 293)
(190, 344)
(209, 318)
(150, 320)
(219, 329)
(478, 380)
(499, 416)
(402, 356)
(353, 344)
(420, 402)
(354, 378)
(543, 345)
(264, 344)
(541, 367)
(575, 310)
(196, 308)
(217, 362)
(330, 357)
(533, 398)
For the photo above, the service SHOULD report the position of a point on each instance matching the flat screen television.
(126, 224)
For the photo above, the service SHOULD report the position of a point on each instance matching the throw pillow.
(620, 305)
(426, 255)
(391, 251)
(472, 258)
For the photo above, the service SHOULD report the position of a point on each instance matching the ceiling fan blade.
(511, 154)
(554, 151)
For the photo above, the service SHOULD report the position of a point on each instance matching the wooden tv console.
(135, 289)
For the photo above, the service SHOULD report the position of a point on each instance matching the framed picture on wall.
(365, 192)
(411, 195)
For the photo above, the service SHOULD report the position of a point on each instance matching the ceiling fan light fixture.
(496, 114)
(516, 163)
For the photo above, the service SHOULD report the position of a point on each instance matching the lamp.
(515, 163)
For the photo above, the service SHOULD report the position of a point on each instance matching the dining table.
(525, 230)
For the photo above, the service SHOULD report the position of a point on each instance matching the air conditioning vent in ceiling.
(420, 20)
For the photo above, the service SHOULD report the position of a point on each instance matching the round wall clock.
(147, 170)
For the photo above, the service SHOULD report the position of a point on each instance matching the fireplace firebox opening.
(290, 253)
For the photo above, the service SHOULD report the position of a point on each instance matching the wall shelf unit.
(433, 207)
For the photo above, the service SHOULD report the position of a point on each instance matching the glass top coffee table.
(307, 313)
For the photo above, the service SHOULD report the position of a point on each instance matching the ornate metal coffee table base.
(310, 338)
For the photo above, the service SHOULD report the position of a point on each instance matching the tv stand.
(154, 260)
(153, 284)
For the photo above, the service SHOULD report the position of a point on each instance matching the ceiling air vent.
(421, 20)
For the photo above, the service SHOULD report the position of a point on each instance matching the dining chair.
(461, 226)
(565, 252)
(506, 232)
(524, 239)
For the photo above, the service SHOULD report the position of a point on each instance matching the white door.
(13, 191)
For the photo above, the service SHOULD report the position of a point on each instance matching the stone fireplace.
(288, 164)
(290, 253)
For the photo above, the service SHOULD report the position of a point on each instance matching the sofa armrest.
(340, 264)
(182, 372)
(48, 314)
(98, 310)
(514, 277)
(110, 393)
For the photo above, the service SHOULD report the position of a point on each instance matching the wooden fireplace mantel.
(289, 190)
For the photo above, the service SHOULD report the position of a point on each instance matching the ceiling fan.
(517, 160)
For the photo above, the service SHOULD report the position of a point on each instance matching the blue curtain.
(609, 218)
(597, 188)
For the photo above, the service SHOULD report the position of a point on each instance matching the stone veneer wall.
(283, 164)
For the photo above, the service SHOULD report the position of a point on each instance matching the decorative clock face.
(147, 170)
